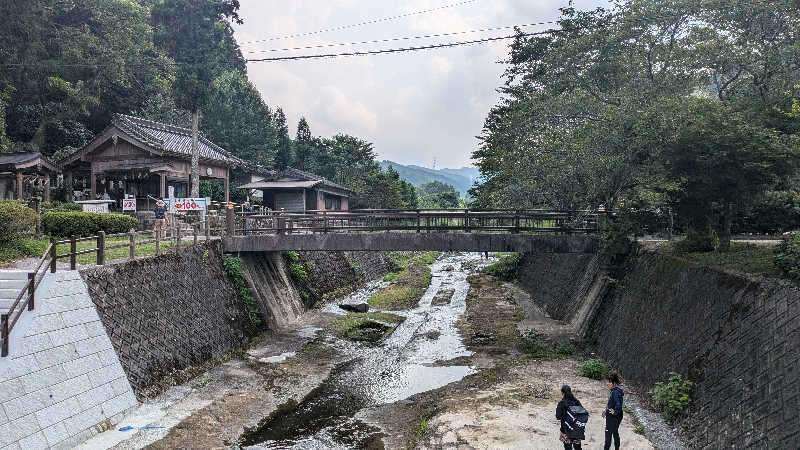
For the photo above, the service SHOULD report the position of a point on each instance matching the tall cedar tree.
(283, 143)
(303, 145)
(198, 36)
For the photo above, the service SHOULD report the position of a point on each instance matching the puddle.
(401, 366)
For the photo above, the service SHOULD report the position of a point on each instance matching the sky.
(413, 106)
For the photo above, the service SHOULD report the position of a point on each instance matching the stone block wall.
(168, 312)
(736, 338)
(62, 382)
(555, 281)
(333, 270)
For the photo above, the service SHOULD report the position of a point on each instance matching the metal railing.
(463, 220)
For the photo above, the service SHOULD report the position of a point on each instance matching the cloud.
(412, 106)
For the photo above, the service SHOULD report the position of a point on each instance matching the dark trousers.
(612, 431)
(572, 446)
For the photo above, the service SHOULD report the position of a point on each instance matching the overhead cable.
(368, 22)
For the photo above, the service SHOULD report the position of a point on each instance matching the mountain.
(461, 179)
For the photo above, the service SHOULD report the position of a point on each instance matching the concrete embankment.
(737, 338)
(103, 338)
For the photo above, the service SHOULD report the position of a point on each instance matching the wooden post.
(101, 248)
(73, 248)
(20, 186)
(158, 242)
(4, 320)
(93, 183)
(132, 245)
(207, 228)
(31, 289)
(227, 185)
(230, 221)
(47, 188)
(177, 236)
(466, 220)
(516, 222)
(53, 254)
(68, 185)
(162, 185)
(194, 229)
(418, 222)
(324, 221)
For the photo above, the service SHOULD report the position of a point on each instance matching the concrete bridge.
(535, 231)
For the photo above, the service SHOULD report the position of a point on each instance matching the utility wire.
(406, 38)
(368, 22)
(396, 50)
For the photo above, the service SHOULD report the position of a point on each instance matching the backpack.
(575, 422)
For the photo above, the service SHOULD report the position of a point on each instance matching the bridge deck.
(397, 241)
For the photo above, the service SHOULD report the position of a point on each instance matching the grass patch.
(505, 269)
(410, 278)
(366, 327)
(35, 248)
(744, 257)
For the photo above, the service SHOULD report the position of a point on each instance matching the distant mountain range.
(461, 179)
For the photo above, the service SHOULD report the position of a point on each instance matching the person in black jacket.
(570, 437)
(613, 412)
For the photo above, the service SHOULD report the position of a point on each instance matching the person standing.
(613, 412)
(161, 218)
(572, 432)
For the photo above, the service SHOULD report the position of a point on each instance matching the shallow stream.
(399, 367)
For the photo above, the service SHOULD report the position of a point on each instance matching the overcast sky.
(412, 106)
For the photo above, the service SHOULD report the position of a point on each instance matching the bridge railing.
(510, 221)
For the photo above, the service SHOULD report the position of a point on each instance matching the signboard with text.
(129, 204)
(186, 204)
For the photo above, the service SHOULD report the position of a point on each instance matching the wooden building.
(143, 158)
(298, 191)
(26, 174)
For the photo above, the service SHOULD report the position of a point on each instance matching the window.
(333, 203)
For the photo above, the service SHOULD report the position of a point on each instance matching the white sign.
(95, 206)
(186, 204)
(129, 204)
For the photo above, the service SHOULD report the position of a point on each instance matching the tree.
(283, 143)
(716, 161)
(197, 35)
(303, 146)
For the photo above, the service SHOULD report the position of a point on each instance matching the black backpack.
(575, 421)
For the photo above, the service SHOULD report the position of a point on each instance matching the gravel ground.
(660, 433)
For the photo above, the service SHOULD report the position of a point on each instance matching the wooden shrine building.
(298, 191)
(142, 158)
(26, 174)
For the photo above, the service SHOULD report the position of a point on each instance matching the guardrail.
(52, 255)
(511, 221)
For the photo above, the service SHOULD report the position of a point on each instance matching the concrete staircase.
(11, 282)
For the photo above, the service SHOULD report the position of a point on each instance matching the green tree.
(198, 36)
(304, 146)
(283, 143)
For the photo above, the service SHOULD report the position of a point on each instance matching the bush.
(505, 269)
(695, 242)
(16, 220)
(672, 397)
(61, 207)
(298, 271)
(787, 256)
(81, 224)
(596, 369)
(233, 266)
(775, 212)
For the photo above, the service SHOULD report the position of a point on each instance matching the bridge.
(538, 231)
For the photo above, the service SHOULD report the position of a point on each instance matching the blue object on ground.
(130, 427)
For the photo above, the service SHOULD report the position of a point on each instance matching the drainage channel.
(401, 366)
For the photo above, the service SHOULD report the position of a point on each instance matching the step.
(9, 294)
(9, 274)
(13, 284)
(5, 304)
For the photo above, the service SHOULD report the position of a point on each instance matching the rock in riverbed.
(355, 307)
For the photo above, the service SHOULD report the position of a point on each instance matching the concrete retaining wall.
(737, 339)
(62, 382)
(334, 270)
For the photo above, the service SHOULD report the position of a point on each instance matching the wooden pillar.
(68, 184)
(20, 186)
(227, 185)
(93, 183)
(163, 188)
(47, 188)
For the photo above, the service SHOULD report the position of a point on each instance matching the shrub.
(565, 350)
(81, 224)
(61, 207)
(533, 344)
(298, 272)
(695, 242)
(233, 266)
(596, 369)
(775, 212)
(505, 269)
(16, 220)
(672, 397)
(787, 256)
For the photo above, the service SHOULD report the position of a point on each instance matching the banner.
(186, 204)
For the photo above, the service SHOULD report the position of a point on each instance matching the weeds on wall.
(672, 397)
(506, 269)
(233, 266)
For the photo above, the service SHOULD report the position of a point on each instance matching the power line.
(405, 38)
(396, 50)
(368, 22)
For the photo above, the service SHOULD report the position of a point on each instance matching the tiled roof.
(13, 159)
(292, 172)
(172, 139)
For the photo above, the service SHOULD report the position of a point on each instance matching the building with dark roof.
(26, 174)
(298, 191)
(142, 158)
